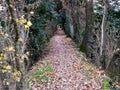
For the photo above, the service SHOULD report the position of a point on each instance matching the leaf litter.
(70, 69)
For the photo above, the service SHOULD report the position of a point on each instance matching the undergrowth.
(40, 74)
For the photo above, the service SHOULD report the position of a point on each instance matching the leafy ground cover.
(65, 68)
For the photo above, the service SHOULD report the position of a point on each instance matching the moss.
(83, 49)
(105, 85)
(40, 73)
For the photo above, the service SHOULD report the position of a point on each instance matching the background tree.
(87, 39)
(103, 33)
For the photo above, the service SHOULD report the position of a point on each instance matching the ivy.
(106, 85)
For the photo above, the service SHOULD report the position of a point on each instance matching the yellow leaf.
(10, 17)
(2, 33)
(26, 27)
(20, 40)
(27, 53)
(22, 16)
(29, 23)
(4, 71)
(11, 5)
(1, 6)
(17, 79)
(1, 56)
(7, 83)
(10, 48)
(17, 75)
(6, 35)
(23, 21)
(24, 56)
(5, 56)
(8, 67)
(17, 20)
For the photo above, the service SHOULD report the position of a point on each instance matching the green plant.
(42, 73)
(106, 85)
(43, 16)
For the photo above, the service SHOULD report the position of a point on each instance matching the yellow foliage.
(27, 53)
(21, 21)
(22, 16)
(17, 79)
(26, 27)
(2, 33)
(17, 20)
(10, 17)
(1, 56)
(20, 39)
(1, 6)
(5, 56)
(8, 67)
(4, 70)
(9, 48)
(6, 82)
(26, 23)
(17, 75)
(11, 5)
(6, 35)
(24, 56)
(29, 23)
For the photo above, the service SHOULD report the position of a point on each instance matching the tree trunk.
(103, 35)
(86, 45)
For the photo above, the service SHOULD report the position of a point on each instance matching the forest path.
(70, 70)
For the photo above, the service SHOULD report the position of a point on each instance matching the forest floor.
(67, 68)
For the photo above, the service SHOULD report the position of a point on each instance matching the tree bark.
(103, 35)
(85, 47)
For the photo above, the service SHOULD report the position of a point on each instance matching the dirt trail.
(70, 73)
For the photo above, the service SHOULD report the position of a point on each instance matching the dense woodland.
(26, 26)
